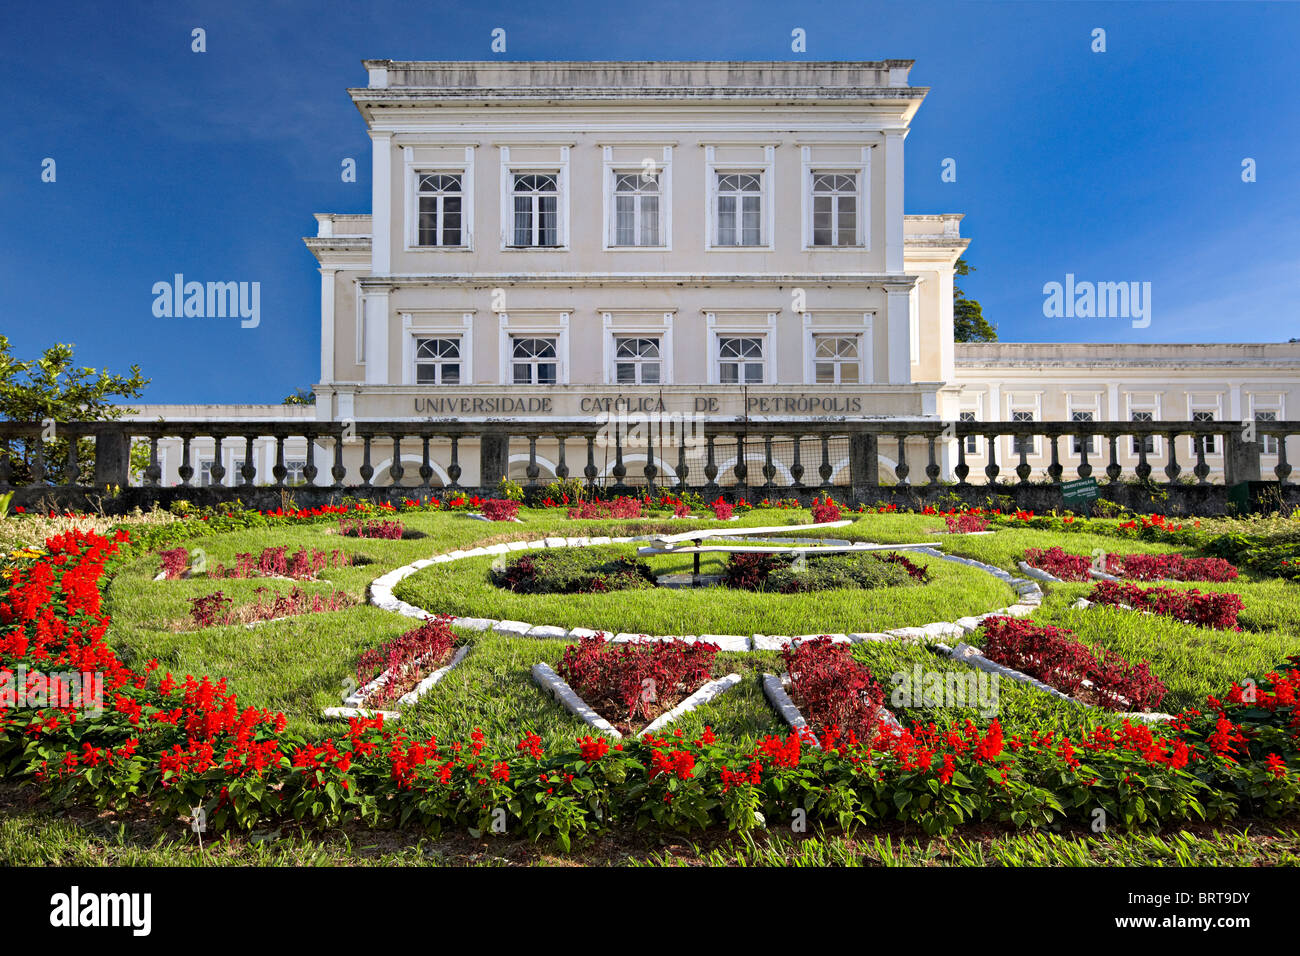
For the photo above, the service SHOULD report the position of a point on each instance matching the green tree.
(968, 322)
(301, 396)
(49, 390)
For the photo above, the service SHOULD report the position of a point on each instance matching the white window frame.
(614, 327)
(430, 324)
(1198, 403)
(412, 172)
(863, 172)
(978, 450)
(1023, 401)
(509, 169)
(1139, 402)
(748, 329)
(1083, 401)
(609, 218)
(862, 330)
(765, 170)
(508, 332)
(1274, 402)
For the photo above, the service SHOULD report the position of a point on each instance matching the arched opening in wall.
(517, 470)
(635, 465)
(410, 473)
(754, 464)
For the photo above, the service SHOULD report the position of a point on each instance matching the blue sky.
(1115, 166)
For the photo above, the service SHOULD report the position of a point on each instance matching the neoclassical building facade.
(708, 241)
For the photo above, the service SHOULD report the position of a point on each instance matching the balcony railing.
(704, 456)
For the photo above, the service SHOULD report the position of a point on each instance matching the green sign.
(1078, 494)
(1239, 495)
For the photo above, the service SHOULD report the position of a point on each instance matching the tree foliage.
(53, 389)
(968, 322)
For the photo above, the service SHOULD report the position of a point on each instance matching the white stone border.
(354, 704)
(1050, 578)
(974, 657)
(555, 685)
(774, 689)
(381, 595)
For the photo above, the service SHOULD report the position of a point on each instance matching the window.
(1145, 443)
(205, 474)
(835, 209)
(437, 361)
(636, 361)
(740, 360)
(534, 361)
(636, 209)
(1077, 442)
(1269, 441)
(836, 360)
(293, 468)
(972, 441)
(1206, 443)
(1019, 443)
(536, 206)
(439, 198)
(740, 209)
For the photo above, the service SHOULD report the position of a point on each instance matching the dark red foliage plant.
(406, 659)
(831, 688)
(1205, 609)
(374, 528)
(500, 509)
(1057, 658)
(636, 678)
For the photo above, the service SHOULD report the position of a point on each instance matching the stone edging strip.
(381, 595)
(354, 704)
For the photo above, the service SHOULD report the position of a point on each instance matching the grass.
(31, 834)
(464, 588)
(301, 665)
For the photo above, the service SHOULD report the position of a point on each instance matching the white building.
(558, 240)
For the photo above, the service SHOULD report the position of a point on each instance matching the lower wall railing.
(742, 458)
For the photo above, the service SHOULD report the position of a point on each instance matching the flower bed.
(216, 609)
(824, 511)
(601, 510)
(722, 511)
(500, 509)
(405, 660)
(1057, 658)
(786, 574)
(832, 690)
(632, 683)
(302, 565)
(570, 571)
(966, 523)
(1142, 567)
(371, 528)
(1208, 609)
(167, 746)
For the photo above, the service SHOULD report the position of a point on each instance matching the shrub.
(721, 510)
(824, 511)
(1057, 658)
(406, 659)
(1209, 609)
(832, 689)
(786, 574)
(372, 528)
(1172, 567)
(1055, 561)
(174, 562)
(966, 523)
(500, 509)
(216, 609)
(628, 679)
(569, 571)
(681, 510)
(621, 507)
